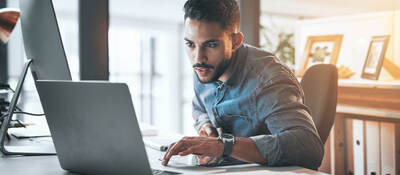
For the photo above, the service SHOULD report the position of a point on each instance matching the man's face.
(209, 48)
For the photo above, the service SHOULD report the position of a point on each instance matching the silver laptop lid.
(94, 127)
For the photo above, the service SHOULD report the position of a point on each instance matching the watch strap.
(228, 146)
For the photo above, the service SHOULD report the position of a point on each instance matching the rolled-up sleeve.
(294, 139)
(199, 115)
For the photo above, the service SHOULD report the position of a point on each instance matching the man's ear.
(237, 40)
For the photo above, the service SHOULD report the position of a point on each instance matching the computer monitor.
(46, 58)
(42, 40)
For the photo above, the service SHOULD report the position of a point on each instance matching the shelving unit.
(366, 129)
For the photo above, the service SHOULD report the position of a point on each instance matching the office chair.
(320, 84)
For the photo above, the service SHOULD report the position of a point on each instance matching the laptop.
(94, 127)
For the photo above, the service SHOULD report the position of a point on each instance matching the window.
(146, 53)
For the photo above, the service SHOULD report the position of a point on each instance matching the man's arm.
(291, 146)
(243, 149)
(202, 123)
(294, 139)
(199, 114)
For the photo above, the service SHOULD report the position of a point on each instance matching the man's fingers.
(219, 131)
(192, 145)
(214, 132)
(203, 133)
(213, 160)
(186, 152)
(169, 148)
(173, 151)
(204, 160)
(168, 155)
(190, 150)
(209, 131)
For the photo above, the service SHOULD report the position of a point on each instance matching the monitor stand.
(20, 150)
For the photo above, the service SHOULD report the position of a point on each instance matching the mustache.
(203, 65)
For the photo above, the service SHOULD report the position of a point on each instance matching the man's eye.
(212, 45)
(189, 44)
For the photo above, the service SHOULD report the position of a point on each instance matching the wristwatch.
(228, 140)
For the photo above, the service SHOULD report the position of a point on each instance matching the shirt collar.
(238, 65)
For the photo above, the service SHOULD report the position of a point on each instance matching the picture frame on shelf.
(320, 49)
(375, 57)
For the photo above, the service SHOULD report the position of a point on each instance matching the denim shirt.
(261, 100)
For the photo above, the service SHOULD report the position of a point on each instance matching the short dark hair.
(224, 12)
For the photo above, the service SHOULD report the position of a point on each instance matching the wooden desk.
(364, 102)
(49, 165)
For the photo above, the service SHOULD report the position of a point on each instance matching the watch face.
(227, 137)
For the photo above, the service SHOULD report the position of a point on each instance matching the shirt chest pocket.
(238, 123)
(235, 115)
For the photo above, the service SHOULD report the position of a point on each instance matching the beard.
(218, 71)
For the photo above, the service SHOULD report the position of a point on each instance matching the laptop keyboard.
(161, 172)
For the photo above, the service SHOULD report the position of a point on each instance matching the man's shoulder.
(265, 65)
(259, 59)
(255, 53)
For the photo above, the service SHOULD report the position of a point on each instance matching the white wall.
(327, 8)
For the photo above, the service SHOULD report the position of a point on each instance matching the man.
(245, 92)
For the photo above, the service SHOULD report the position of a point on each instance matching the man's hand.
(208, 130)
(206, 160)
(205, 146)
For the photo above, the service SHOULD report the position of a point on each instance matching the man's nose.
(200, 55)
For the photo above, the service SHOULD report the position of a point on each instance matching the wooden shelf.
(368, 113)
(362, 83)
(368, 94)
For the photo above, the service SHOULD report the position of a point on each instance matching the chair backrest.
(320, 84)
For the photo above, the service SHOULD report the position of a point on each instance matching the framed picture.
(375, 56)
(320, 49)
